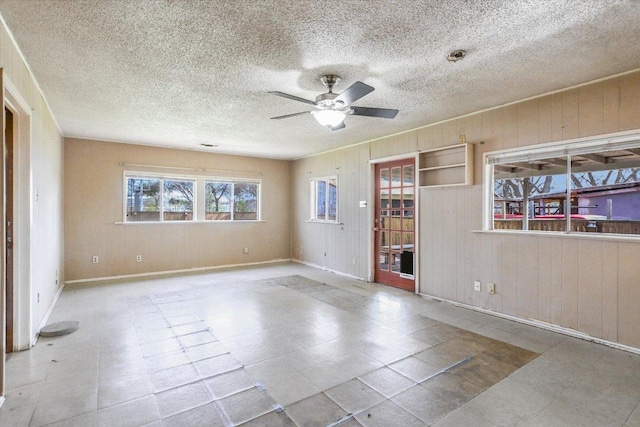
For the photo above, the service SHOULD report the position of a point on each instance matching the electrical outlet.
(354, 261)
(477, 286)
(138, 258)
(95, 259)
(325, 254)
(245, 250)
(491, 288)
(462, 138)
(38, 297)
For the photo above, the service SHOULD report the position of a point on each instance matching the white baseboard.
(339, 273)
(2, 399)
(541, 325)
(169, 272)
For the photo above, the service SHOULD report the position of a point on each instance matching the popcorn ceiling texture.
(182, 73)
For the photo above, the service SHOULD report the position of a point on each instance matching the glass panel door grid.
(395, 215)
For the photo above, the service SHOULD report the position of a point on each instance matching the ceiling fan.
(331, 108)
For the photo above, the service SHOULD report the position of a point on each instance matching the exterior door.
(394, 224)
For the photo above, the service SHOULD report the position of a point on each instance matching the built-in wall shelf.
(445, 166)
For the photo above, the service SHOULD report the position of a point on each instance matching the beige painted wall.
(94, 203)
(41, 208)
(581, 283)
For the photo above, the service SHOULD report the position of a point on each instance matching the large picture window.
(159, 199)
(582, 186)
(324, 199)
(231, 200)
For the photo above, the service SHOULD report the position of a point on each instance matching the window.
(584, 186)
(159, 199)
(231, 200)
(324, 199)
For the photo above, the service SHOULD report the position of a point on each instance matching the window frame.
(313, 199)
(233, 181)
(162, 178)
(568, 148)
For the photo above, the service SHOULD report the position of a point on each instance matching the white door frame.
(24, 335)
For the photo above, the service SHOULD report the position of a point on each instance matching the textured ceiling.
(182, 73)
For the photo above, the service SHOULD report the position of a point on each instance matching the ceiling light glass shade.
(329, 118)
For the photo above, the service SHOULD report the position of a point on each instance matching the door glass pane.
(395, 220)
(384, 240)
(384, 261)
(407, 197)
(395, 240)
(395, 265)
(396, 194)
(384, 178)
(407, 175)
(384, 219)
(407, 224)
(384, 198)
(407, 242)
(396, 176)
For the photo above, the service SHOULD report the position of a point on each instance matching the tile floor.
(288, 345)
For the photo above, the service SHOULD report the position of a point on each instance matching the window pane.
(605, 195)
(332, 200)
(217, 200)
(177, 200)
(245, 201)
(143, 199)
(321, 200)
(530, 195)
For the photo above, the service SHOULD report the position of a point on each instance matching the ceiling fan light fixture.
(329, 118)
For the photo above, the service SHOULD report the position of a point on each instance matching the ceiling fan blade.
(354, 92)
(295, 98)
(384, 113)
(340, 126)
(290, 115)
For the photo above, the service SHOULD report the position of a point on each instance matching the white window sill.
(564, 235)
(248, 221)
(312, 221)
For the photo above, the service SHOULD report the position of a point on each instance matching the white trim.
(564, 235)
(403, 156)
(539, 324)
(208, 221)
(339, 273)
(23, 288)
(45, 319)
(2, 400)
(313, 184)
(168, 272)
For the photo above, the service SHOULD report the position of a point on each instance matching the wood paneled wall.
(579, 282)
(94, 203)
